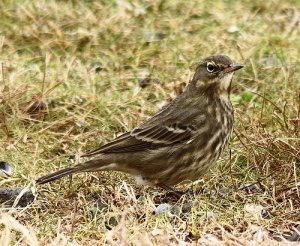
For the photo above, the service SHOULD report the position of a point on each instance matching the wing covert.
(147, 138)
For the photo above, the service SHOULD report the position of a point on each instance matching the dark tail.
(56, 175)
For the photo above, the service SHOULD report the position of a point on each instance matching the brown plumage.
(181, 142)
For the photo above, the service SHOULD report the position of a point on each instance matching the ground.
(75, 74)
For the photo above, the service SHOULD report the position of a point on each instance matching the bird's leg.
(177, 193)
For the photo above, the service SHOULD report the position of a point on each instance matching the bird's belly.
(192, 162)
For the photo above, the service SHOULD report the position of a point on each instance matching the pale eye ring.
(210, 67)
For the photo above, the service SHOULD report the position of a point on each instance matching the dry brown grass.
(71, 75)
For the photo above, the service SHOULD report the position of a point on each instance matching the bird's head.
(216, 71)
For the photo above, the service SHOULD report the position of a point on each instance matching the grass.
(85, 62)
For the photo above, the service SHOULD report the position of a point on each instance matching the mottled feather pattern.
(181, 142)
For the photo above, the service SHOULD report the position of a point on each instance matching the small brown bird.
(180, 142)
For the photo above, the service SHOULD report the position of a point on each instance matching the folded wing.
(146, 138)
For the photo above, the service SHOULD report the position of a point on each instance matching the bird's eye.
(210, 67)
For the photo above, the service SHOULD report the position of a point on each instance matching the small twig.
(238, 47)
(239, 138)
(284, 116)
(263, 105)
(2, 71)
(43, 80)
(230, 172)
(279, 109)
(74, 217)
(254, 70)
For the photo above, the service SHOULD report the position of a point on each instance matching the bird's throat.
(225, 82)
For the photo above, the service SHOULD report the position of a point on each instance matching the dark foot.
(172, 193)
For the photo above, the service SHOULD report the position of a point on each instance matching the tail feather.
(88, 166)
(56, 175)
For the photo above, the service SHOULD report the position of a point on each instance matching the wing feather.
(165, 128)
(146, 138)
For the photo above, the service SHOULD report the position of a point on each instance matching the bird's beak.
(233, 67)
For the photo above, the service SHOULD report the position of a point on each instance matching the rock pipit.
(180, 142)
